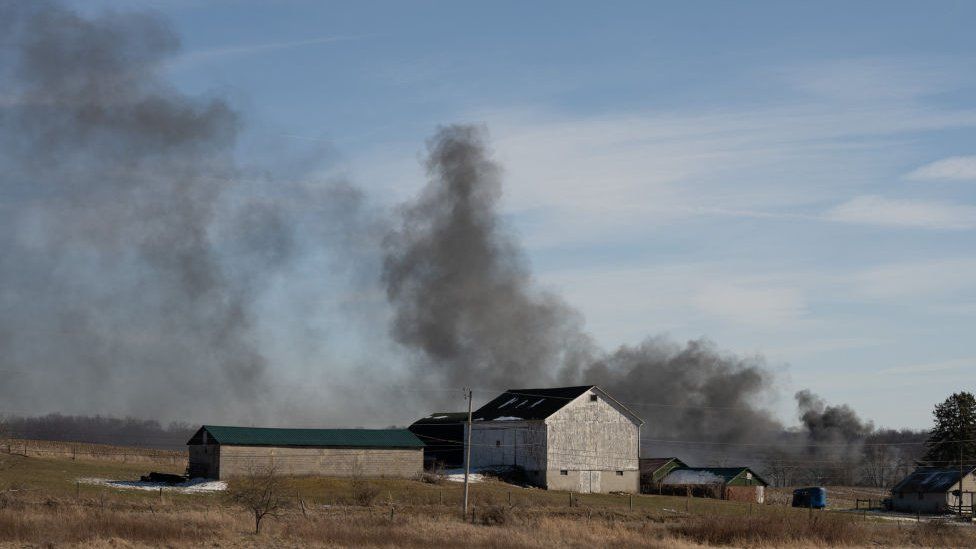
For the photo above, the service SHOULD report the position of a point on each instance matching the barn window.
(620, 473)
(498, 443)
(748, 475)
(563, 472)
(593, 398)
(920, 496)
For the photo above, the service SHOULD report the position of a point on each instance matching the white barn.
(566, 438)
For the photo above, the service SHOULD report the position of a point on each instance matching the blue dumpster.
(813, 497)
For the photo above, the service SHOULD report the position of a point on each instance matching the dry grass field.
(42, 505)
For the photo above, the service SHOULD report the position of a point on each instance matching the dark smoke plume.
(135, 252)
(830, 424)
(465, 301)
(116, 189)
(461, 289)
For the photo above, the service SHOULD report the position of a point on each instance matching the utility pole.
(467, 457)
(960, 477)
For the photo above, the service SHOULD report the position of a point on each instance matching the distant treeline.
(877, 458)
(143, 433)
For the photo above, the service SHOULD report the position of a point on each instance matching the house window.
(592, 398)
(563, 472)
(620, 473)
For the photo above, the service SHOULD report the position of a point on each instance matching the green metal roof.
(350, 438)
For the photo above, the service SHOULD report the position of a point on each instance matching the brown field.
(42, 505)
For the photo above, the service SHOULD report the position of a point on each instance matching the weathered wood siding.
(587, 446)
(509, 443)
(595, 435)
(333, 462)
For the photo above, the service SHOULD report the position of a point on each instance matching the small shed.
(935, 490)
(653, 471)
(443, 436)
(221, 452)
(731, 483)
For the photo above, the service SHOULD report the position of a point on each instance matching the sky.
(796, 180)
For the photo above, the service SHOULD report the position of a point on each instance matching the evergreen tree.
(954, 435)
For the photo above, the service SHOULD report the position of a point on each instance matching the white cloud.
(933, 367)
(879, 78)
(923, 279)
(955, 168)
(900, 212)
(201, 56)
(751, 305)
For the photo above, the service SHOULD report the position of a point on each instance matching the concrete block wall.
(333, 462)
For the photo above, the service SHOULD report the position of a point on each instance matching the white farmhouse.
(565, 438)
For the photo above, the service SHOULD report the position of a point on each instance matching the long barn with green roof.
(222, 452)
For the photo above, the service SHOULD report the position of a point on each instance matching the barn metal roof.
(348, 438)
(443, 418)
(538, 404)
(528, 404)
(707, 475)
(652, 465)
(931, 479)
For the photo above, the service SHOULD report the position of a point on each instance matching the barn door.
(589, 482)
(584, 482)
(508, 446)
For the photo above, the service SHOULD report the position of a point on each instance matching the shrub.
(493, 515)
(364, 492)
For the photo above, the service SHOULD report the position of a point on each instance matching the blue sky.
(791, 179)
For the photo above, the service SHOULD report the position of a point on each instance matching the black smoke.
(461, 289)
(465, 301)
(136, 249)
(827, 424)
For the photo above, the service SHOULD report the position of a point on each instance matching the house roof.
(350, 438)
(707, 475)
(652, 465)
(931, 479)
(528, 404)
(443, 418)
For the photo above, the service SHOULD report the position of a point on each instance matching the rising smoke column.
(465, 302)
(461, 289)
(114, 193)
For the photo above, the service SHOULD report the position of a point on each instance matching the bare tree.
(260, 491)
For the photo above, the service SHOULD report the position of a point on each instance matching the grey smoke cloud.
(465, 301)
(461, 289)
(134, 251)
(116, 295)
(826, 423)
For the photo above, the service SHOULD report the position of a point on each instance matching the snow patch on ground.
(457, 475)
(192, 486)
